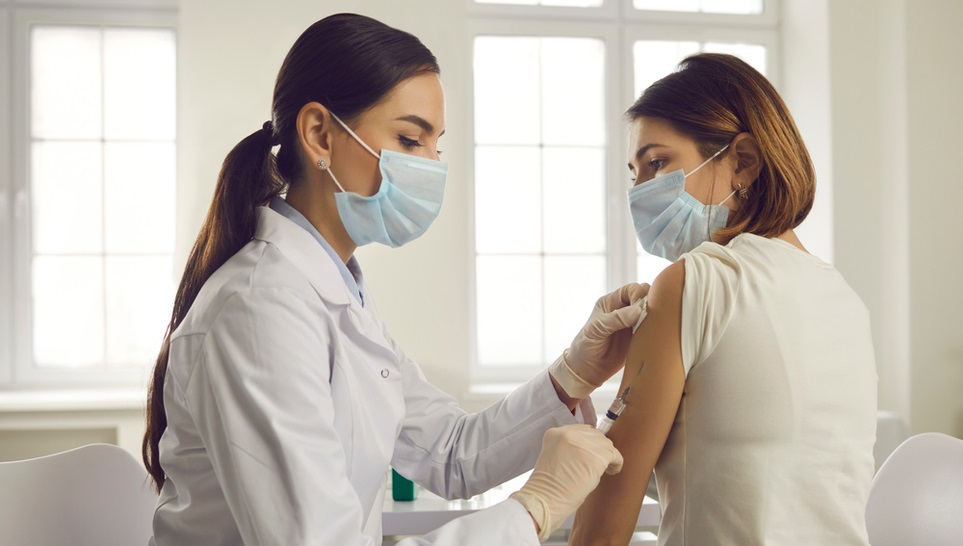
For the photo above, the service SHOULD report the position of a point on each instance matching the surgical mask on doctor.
(412, 189)
(668, 221)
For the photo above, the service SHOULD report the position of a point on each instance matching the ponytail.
(248, 179)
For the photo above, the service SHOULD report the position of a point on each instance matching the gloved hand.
(598, 351)
(569, 467)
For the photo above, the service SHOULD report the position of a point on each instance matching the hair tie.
(269, 128)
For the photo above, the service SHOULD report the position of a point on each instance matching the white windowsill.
(73, 400)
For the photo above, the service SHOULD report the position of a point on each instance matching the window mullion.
(7, 309)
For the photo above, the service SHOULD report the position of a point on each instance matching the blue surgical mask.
(668, 221)
(412, 189)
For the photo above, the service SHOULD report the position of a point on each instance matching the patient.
(753, 378)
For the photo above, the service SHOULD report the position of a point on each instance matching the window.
(93, 227)
(552, 231)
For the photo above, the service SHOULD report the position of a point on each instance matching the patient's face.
(656, 148)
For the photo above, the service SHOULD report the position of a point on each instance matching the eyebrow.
(420, 122)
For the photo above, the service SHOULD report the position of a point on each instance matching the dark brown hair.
(712, 98)
(347, 62)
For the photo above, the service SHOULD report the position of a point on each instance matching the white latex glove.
(569, 467)
(598, 351)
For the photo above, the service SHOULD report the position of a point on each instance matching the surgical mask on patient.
(668, 221)
(412, 189)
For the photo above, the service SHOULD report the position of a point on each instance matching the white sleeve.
(711, 287)
(457, 455)
(261, 400)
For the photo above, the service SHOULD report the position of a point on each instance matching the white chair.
(917, 495)
(95, 495)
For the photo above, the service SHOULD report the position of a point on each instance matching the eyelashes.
(411, 144)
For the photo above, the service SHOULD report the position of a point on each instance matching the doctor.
(279, 399)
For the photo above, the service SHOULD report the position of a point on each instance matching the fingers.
(612, 322)
(626, 295)
(615, 464)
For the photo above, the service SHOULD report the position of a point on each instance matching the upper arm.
(655, 371)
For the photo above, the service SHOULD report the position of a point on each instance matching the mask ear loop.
(703, 164)
(353, 135)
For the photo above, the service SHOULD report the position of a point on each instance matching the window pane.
(655, 59)
(753, 54)
(574, 199)
(139, 201)
(570, 3)
(573, 108)
(65, 84)
(508, 200)
(649, 267)
(68, 322)
(507, 90)
(509, 300)
(67, 197)
(745, 7)
(139, 84)
(667, 5)
(140, 294)
(572, 286)
(732, 6)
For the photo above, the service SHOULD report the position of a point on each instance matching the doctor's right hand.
(569, 467)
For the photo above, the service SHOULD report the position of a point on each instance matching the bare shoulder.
(666, 290)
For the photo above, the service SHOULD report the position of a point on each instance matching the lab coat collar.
(299, 246)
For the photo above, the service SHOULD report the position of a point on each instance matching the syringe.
(613, 412)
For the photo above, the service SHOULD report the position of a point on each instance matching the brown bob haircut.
(713, 97)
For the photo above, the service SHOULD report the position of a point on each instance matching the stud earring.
(323, 164)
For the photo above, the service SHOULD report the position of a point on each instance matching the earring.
(323, 164)
(743, 192)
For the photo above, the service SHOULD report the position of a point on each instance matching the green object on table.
(402, 489)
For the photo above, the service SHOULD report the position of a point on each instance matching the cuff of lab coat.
(584, 411)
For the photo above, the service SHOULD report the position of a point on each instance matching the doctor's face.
(410, 120)
(656, 148)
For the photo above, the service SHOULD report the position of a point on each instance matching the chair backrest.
(917, 495)
(93, 495)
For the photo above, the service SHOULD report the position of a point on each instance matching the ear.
(748, 158)
(314, 126)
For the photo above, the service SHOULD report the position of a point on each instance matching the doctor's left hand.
(599, 350)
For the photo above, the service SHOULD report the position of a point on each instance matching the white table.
(429, 511)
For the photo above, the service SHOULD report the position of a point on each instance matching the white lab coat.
(286, 401)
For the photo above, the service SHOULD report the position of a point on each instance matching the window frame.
(20, 371)
(769, 18)
(608, 10)
(6, 202)
(618, 24)
(614, 193)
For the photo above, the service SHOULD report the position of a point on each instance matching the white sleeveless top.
(773, 441)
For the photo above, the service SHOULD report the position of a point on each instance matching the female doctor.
(279, 399)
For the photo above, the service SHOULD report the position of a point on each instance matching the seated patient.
(753, 381)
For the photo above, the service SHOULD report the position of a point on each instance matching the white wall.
(934, 140)
(895, 98)
(887, 72)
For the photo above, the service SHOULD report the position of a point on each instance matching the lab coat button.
(384, 373)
